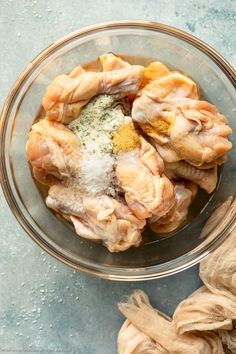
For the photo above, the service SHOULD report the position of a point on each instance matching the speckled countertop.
(44, 305)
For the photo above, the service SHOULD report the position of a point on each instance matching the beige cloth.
(203, 323)
(228, 339)
(158, 328)
(218, 270)
(204, 311)
(132, 341)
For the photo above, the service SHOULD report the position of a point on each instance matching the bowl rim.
(152, 272)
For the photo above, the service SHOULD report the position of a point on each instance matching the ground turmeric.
(126, 138)
(162, 125)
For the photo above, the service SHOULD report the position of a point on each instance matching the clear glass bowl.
(153, 41)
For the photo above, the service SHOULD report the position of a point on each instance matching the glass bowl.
(135, 39)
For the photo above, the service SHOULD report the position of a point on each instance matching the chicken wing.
(67, 94)
(111, 62)
(98, 218)
(175, 217)
(182, 126)
(154, 71)
(158, 100)
(206, 179)
(199, 133)
(139, 171)
(53, 151)
(173, 86)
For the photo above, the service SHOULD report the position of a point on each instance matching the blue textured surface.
(44, 305)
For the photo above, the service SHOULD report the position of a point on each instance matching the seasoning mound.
(126, 138)
(95, 126)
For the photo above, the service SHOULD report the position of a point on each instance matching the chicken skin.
(140, 174)
(182, 127)
(175, 217)
(124, 146)
(174, 85)
(98, 218)
(206, 179)
(53, 151)
(154, 71)
(67, 94)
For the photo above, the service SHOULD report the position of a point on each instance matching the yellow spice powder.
(148, 129)
(126, 138)
(162, 125)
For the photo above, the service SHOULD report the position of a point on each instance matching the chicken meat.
(154, 71)
(98, 218)
(105, 176)
(206, 179)
(177, 214)
(182, 127)
(67, 94)
(139, 171)
(54, 152)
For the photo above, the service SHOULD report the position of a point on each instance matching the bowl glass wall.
(143, 42)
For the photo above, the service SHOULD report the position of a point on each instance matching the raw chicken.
(154, 71)
(206, 179)
(104, 162)
(112, 62)
(53, 151)
(175, 217)
(67, 94)
(98, 218)
(140, 174)
(159, 98)
(173, 86)
(199, 133)
(159, 328)
(181, 126)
